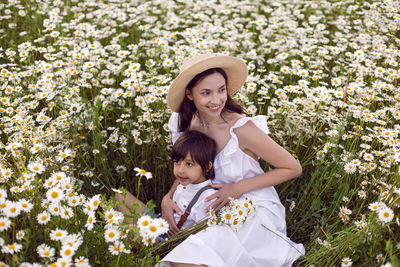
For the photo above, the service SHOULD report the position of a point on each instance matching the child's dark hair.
(201, 148)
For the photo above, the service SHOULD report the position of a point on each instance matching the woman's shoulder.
(250, 124)
(232, 117)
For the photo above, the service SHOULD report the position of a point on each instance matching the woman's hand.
(168, 207)
(222, 195)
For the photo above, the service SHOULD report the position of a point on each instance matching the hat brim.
(235, 69)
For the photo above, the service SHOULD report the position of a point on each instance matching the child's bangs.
(180, 150)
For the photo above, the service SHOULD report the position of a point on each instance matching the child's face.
(187, 171)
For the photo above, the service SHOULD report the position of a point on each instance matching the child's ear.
(189, 94)
(209, 166)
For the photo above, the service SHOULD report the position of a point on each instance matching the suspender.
(186, 214)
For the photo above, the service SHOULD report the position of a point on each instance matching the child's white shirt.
(182, 197)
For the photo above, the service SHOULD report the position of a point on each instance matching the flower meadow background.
(83, 103)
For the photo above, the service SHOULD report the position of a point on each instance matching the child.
(193, 156)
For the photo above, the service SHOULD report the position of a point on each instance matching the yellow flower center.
(54, 194)
(153, 228)
(67, 252)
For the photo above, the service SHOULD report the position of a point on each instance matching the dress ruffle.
(233, 144)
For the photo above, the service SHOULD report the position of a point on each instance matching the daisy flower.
(63, 154)
(55, 208)
(155, 229)
(12, 209)
(374, 206)
(111, 235)
(36, 167)
(90, 220)
(142, 172)
(5, 223)
(113, 137)
(226, 216)
(67, 252)
(55, 195)
(292, 205)
(25, 205)
(43, 217)
(20, 234)
(81, 262)
(11, 249)
(95, 201)
(114, 248)
(36, 148)
(58, 234)
(3, 193)
(66, 213)
(379, 257)
(360, 224)
(45, 251)
(362, 194)
(385, 215)
(350, 168)
(368, 157)
(144, 222)
(346, 262)
(6, 173)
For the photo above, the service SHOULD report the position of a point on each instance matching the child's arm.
(168, 207)
(125, 203)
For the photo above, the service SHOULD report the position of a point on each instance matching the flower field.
(83, 89)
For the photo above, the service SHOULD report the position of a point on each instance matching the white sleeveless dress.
(261, 242)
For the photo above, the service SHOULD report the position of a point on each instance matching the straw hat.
(234, 68)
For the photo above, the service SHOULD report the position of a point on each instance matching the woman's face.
(209, 95)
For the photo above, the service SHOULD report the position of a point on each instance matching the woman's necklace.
(204, 123)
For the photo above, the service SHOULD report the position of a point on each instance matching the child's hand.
(222, 195)
(168, 207)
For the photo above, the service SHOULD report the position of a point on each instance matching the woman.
(200, 97)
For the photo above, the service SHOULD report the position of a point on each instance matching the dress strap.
(173, 126)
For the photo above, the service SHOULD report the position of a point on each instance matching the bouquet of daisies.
(235, 214)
